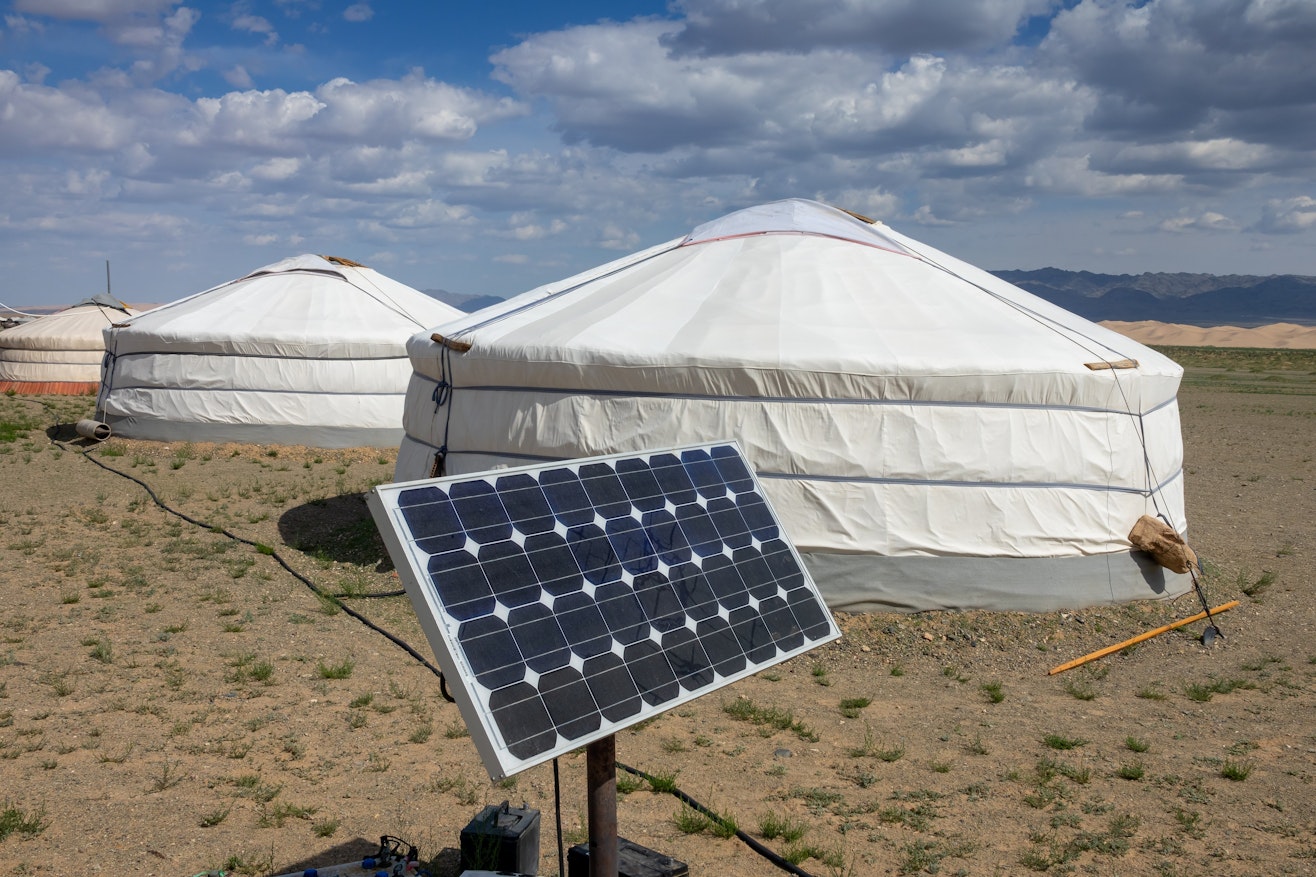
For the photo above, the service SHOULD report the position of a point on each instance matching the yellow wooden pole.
(1101, 653)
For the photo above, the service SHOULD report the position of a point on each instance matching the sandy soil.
(1276, 335)
(172, 700)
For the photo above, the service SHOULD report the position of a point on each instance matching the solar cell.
(568, 600)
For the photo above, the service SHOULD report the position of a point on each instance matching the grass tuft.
(1056, 741)
(776, 718)
(1237, 771)
(688, 820)
(1259, 586)
(215, 817)
(342, 670)
(14, 819)
(851, 706)
(662, 782)
(325, 827)
(1080, 690)
(775, 826)
(1132, 770)
(102, 651)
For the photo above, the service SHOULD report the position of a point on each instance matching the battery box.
(502, 838)
(633, 860)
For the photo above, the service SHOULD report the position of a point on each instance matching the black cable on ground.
(783, 864)
(744, 838)
(269, 550)
(371, 595)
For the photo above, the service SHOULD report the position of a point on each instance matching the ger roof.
(75, 328)
(305, 306)
(796, 298)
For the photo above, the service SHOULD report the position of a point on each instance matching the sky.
(488, 148)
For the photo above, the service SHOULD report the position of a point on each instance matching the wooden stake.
(1101, 653)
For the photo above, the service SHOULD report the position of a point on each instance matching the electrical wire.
(270, 551)
(745, 838)
(785, 865)
(346, 595)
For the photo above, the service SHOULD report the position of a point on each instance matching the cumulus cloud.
(1220, 154)
(616, 237)
(614, 85)
(432, 213)
(873, 203)
(238, 77)
(22, 25)
(358, 12)
(379, 112)
(1288, 215)
(617, 86)
(462, 168)
(932, 112)
(268, 120)
(277, 169)
(255, 24)
(166, 42)
(295, 8)
(924, 215)
(1207, 221)
(129, 225)
(1113, 103)
(527, 227)
(94, 183)
(725, 27)
(94, 10)
(413, 107)
(1074, 175)
(36, 73)
(39, 118)
(153, 30)
(1215, 68)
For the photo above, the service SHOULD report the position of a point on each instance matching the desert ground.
(173, 700)
(1275, 335)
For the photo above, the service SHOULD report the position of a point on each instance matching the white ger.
(307, 351)
(932, 437)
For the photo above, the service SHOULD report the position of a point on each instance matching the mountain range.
(1193, 299)
(468, 303)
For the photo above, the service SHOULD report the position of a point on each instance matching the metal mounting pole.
(601, 775)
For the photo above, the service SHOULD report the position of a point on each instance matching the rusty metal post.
(601, 775)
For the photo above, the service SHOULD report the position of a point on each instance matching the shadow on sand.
(337, 528)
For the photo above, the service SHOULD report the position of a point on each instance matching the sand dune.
(1175, 334)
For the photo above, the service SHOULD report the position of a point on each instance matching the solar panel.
(573, 599)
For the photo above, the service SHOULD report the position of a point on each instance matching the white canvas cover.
(932, 437)
(309, 350)
(60, 353)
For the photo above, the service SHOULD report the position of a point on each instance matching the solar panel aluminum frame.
(441, 629)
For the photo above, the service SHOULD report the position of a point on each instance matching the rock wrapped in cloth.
(1163, 543)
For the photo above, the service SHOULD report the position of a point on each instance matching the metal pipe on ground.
(93, 429)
